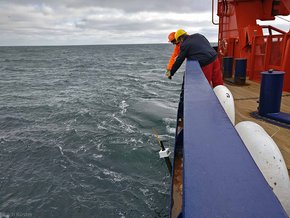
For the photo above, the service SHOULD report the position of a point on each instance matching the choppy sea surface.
(76, 130)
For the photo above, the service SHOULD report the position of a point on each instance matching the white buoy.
(268, 158)
(226, 99)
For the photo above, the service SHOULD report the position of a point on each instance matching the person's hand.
(168, 74)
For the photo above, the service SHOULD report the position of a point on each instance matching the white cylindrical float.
(226, 99)
(268, 158)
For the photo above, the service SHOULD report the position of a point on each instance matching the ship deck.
(246, 98)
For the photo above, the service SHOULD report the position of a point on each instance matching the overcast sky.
(79, 22)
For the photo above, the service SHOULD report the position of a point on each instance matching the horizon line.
(90, 44)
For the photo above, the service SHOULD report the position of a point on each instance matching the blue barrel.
(227, 67)
(240, 71)
(271, 92)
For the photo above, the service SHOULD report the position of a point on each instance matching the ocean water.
(76, 130)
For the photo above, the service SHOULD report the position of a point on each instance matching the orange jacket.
(174, 55)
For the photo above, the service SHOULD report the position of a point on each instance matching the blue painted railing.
(220, 178)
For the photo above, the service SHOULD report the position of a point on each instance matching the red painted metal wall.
(241, 37)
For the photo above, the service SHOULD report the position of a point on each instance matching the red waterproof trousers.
(213, 73)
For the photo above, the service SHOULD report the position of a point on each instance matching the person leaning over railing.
(197, 47)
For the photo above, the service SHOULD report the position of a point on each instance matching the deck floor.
(246, 98)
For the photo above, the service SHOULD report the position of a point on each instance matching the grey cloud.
(34, 22)
(128, 5)
(123, 24)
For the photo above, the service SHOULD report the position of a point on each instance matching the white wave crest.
(123, 105)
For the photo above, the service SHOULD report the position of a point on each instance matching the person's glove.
(168, 74)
